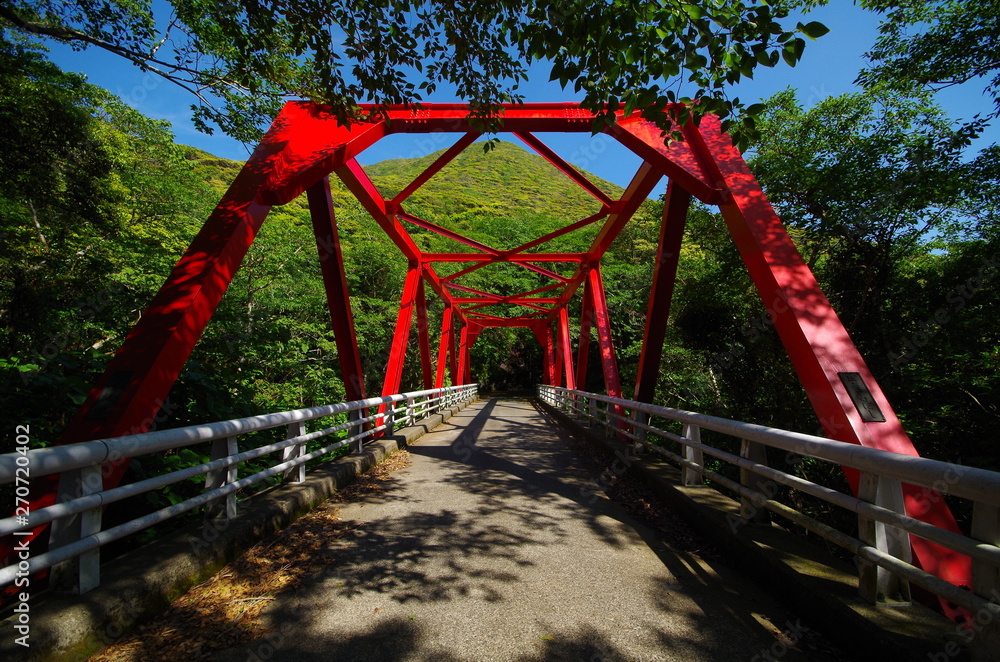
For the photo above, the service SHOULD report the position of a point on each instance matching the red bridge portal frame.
(306, 144)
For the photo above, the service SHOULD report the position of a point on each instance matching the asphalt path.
(497, 544)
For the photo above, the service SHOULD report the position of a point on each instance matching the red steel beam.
(453, 350)
(566, 349)
(463, 355)
(535, 242)
(358, 183)
(675, 209)
(609, 363)
(583, 349)
(444, 347)
(451, 234)
(680, 161)
(337, 296)
(423, 337)
(818, 344)
(503, 256)
(434, 168)
(565, 168)
(401, 337)
(638, 191)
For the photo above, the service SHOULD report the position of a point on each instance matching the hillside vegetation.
(98, 203)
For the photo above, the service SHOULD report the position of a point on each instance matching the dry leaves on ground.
(227, 610)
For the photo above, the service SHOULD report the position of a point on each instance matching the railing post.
(389, 419)
(295, 474)
(751, 512)
(410, 417)
(355, 430)
(690, 477)
(83, 573)
(218, 477)
(985, 528)
(986, 579)
(874, 582)
(358, 429)
(591, 412)
(639, 419)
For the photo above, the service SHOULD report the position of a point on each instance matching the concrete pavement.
(496, 544)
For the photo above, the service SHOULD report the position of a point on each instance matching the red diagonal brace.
(337, 297)
(445, 347)
(668, 252)
(583, 350)
(401, 337)
(609, 363)
(566, 349)
(423, 337)
(818, 344)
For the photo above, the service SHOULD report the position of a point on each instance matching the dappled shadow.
(498, 544)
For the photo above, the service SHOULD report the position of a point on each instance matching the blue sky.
(829, 67)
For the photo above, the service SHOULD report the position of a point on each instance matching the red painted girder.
(444, 347)
(503, 299)
(401, 336)
(638, 190)
(565, 168)
(438, 286)
(524, 257)
(337, 296)
(434, 168)
(583, 349)
(566, 349)
(469, 309)
(679, 161)
(445, 232)
(818, 343)
(423, 336)
(472, 290)
(602, 321)
(534, 242)
(550, 356)
(508, 322)
(451, 234)
(453, 356)
(557, 355)
(483, 317)
(358, 183)
(593, 218)
(642, 184)
(304, 145)
(668, 252)
(463, 356)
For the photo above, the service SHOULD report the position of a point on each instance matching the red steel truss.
(306, 144)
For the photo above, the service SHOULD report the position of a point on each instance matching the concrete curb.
(141, 584)
(821, 587)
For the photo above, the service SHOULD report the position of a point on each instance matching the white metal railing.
(883, 543)
(76, 517)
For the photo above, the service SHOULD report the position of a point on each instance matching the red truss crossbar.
(306, 144)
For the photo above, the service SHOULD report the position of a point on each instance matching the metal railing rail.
(80, 465)
(883, 543)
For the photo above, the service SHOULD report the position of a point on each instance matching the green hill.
(507, 181)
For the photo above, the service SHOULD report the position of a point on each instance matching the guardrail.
(883, 545)
(76, 518)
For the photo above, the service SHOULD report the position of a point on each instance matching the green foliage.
(239, 59)
(936, 44)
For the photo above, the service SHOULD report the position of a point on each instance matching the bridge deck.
(492, 545)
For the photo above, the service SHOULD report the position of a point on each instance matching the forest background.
(890, 204)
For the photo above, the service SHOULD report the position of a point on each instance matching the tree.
(867, 179)
(240, 58)
(936, 44)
